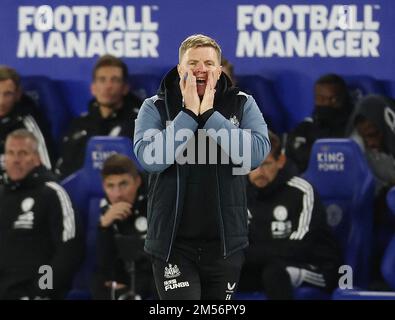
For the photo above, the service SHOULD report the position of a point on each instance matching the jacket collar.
(37, 176)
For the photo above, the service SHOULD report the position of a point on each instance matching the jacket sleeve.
(66, 238)
(30, 124)
(106, 253)
(309, 225)
(306, 221)
(249, 144)
(156, 147)
(299, 144)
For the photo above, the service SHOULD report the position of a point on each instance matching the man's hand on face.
(208, 98)
(118, 211)
(189, 92)
(191, 98)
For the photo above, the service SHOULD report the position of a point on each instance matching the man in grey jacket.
(198, 138)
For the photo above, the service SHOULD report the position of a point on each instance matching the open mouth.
(200, 81)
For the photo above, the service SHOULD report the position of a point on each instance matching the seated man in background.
(331, 114)
(290, 242)
(18, 111)
(125, 214)
(374, 123)
(40, 246)
(112, 113)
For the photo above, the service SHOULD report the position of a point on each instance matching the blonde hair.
(24, 134)
(199, 40)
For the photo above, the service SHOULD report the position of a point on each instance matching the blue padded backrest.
(50, 99)
(342, 177)
(144, 85)
(77, 95)
(360, 86)
(86, 193)
(389, 87)
(391, 200)
(356, 294)
(295, 91)
(388, 262)
(86, 182)
(97, 151)
(263, 92)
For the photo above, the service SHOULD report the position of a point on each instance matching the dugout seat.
(263, 92)
(388, 262)
(389, 87)
(77, 95)
(357, 294)
(144, 85)
(387, 269)
(360, 86)
(50, 99)
(339, 172)
(86, 193)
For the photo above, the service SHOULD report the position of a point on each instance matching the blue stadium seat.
(50, 99)
(310, 293)
(388, 262)
(86, 193)
(263, 92)
(387, 269)
(360, 86)
(301, 293)
(77, 95)
(144, 85)
(389, 87)
(295, 91)
(249, 296)
(391, 199)
(357, 294)
(342, 177)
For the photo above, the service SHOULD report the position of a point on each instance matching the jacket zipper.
(178, 188)
(220, 213)
(175, 217)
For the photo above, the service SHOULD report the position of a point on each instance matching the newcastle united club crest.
(235, 121)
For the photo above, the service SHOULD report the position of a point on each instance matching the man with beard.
(374, 122)
(197, 210)
(290, 242)
(330, 118)
(110, 113)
